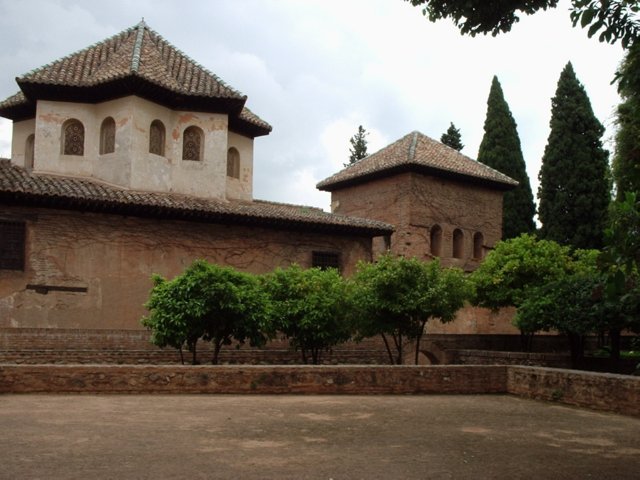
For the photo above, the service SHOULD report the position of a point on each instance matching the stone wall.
(489, 357)
(90, 271)
(607, 392)
(414, 203)
(78, 346)
(600, 391)
(251, 379)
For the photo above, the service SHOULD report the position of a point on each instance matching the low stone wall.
(600, 391)
(251, 379)
(608, 392)
(490, 357)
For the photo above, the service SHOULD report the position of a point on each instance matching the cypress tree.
(500, 149)
(452, 138)
(358, 148)
(626, 161)
(574, 187)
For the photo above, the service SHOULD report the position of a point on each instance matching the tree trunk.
(397, 340)
(615, 335)
(386, 344)
(194, 357)
(526, 341)
(217, 346)
(181, 356)
(418, 338)
(576, 343)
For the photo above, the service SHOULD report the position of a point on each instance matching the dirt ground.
(311, 437)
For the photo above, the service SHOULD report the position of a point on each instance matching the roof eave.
(330, 186)
(131, 84)
(200, 216)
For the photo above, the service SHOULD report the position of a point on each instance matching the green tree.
(358, 148)
(568, 305)
(452, 138)
(209, 302)
(513, 269)
(620, 264)
(500, 149)
(310, 308)
(614, 19)
(574, 190)
(626, 160)
(395, 297)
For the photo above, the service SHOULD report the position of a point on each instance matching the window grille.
(156, 137)
(233, 163)
(12, 244)
(73, 138)
(192, 144)
(326, 260)
(108, 136)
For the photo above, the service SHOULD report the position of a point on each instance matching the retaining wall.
(608, 392)
(309, 379)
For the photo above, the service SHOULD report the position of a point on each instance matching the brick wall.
(488, 357)
(413, 203)
(600, 391)
(97, 268)
(69, 346)
(251, 379)
(608, 392)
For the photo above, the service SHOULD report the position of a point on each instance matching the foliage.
(569, 305)
(626, 161)
(500, 149)
(452, 138)
(217, 304)
(574, 187)
(358, 148)
(514, 267)
(395, 297)
(309, 308)
(620, 264)
(479, 16)
(614, 19)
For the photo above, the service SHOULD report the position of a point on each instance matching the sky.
(317, 69)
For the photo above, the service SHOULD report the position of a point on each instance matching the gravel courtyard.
(311, 437)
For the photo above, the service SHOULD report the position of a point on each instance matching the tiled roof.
(137, 60)
(20, 187)
(418, 152)
(135, 51)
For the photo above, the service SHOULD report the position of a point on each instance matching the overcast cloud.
(316, 69)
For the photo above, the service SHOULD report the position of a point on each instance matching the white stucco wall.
(131, 165)
(242, 188)
(21, 131)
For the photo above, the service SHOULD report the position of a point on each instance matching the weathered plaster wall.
(482, 321)
(21, 130)
(383, 199)
(414, 203)
(242, 188)
(131, 165)
(113, 257)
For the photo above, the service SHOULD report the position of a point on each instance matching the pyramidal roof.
(135, 61)
(419, 153)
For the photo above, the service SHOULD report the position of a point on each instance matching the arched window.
(192, 144)
(108, 136)
(436, 240)
(458, 243)
(73, 137)
(233, 163)
(478, 242)
(156, 137)
(28, 152)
